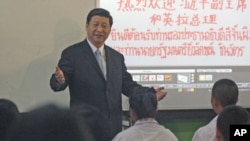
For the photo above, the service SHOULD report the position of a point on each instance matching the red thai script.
(234, 33)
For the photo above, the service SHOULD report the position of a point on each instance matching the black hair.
(226, 92)
(100, 12)
(96, 122)
(144, 104)
(8, 115)
(230, 115)
(49, 123)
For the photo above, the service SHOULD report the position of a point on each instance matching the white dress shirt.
(146, 130)
(207, 132)
(94, 48)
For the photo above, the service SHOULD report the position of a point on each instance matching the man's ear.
(216, 105)
(216, 102)
(132, 114)
(213, 102)
(218, 135)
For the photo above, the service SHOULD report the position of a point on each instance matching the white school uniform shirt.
(207, 132)
(146, 130)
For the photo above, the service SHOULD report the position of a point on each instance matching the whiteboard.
(193, 43)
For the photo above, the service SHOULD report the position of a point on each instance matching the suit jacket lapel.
(109, 64)
(89, 55)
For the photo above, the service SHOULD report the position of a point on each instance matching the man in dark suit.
(79, 69)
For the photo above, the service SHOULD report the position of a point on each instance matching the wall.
(32, 36)
(183, 123)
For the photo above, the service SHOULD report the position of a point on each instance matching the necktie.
(99, 59)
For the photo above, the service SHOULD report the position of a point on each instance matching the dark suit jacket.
(88, 85)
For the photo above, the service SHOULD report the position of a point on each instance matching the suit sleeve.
(66, 65)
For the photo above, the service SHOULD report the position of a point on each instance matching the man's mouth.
(98, 35)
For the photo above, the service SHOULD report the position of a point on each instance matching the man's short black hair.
(144, 104)
(100, 12)
(225, 91)
(230, 115)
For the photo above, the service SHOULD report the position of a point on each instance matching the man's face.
(98, 30)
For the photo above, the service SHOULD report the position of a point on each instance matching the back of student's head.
(231, 115)
(225, 91)
(143, 104)
(48, 123)
(8, 115)
(94, 120)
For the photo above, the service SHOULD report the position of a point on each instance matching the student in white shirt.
(143, 108)
(224, 92)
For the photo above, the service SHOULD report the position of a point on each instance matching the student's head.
(94, 120)
(8, 115)
(143, 105)
(230, 115)
(49, 123)
(98, 26)
(224, 92)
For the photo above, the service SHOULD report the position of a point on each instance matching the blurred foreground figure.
(8, 115)
(231, 115)
(50, 123)
(94, 120)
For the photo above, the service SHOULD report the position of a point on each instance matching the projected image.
(208, 77)
(183, 78)
(168, 77)
(160, 77)
(184, 46)
(181, 33)
(192, 83)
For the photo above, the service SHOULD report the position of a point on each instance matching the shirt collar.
(94, 48)
(146, 120)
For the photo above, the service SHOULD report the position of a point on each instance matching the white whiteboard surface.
(214, 33)
(171, 34)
